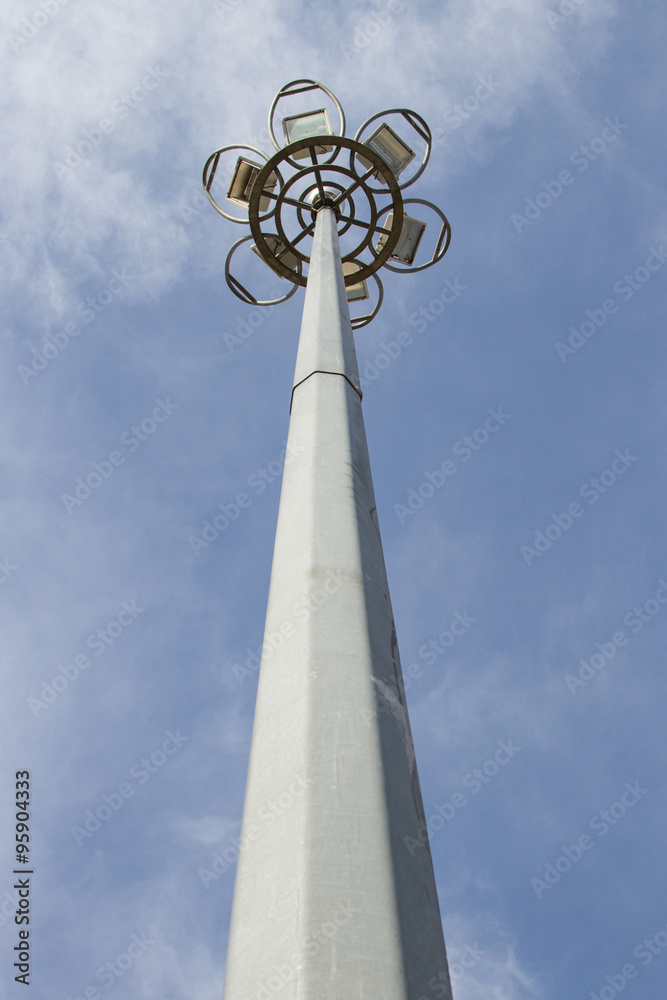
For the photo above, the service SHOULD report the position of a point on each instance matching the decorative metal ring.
(370, 227)
(312, 188)
(241, 291)
(295, 87)
(377, 165)
(415, 121)
(208, 176)
(441, 247)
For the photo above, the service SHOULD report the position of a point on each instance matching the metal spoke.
(364, 225)
(305, 232)
(296, 203)
(353, 187)
(416, 126)
(237, 285)
(213, 170)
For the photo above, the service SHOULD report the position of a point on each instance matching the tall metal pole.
(332, 899)
(335, 896)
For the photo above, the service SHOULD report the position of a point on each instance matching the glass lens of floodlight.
(298, 127)
(359, 291)
(391, 148)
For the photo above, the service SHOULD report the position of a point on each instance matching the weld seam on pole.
(320, 372)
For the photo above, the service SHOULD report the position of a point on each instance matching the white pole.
(335, 896)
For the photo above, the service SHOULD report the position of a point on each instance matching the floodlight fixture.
(358, 291)
(441, 244)
(241, 291)
(304, 126)
(406, 248)
(316, 167)
(280, 252)
(396, 153)
(298, 87)
(243, 181)
(392, 146)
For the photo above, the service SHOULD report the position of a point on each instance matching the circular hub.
(326, 198)
(322, 182)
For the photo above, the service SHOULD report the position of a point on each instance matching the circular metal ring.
(370, 228)
(377, 165)
(295, 88)
(415, 121)
(212, 163)
(242, 292)
(313, 188)
(441, 247)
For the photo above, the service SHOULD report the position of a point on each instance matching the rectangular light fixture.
(303, 127)
(405, 250)
(278, 249)
(243, 181)
(391, 148)
(358, 291)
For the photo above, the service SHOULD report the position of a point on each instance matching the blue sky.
(120, 250)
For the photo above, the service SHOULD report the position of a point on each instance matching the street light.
(358, 291)
(302, 126)
(396, 153)
(243, 181)
(406, 249)
(331, 897)
(280, 252)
